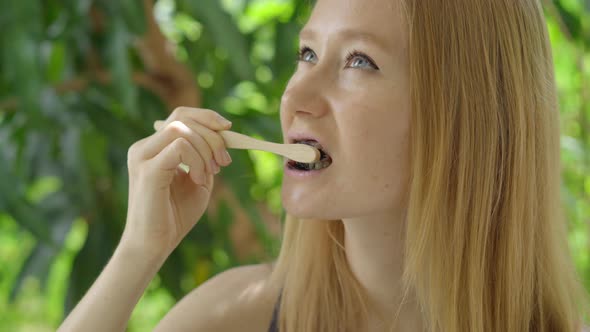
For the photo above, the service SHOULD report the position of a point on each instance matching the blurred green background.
(81, 80)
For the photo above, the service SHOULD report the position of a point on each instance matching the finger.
(206, 117)
(158, 124)
(174, 130)
(215, 141)
(177, 152)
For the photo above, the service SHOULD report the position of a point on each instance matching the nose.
(306, 95)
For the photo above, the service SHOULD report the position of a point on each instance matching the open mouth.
(324, 162)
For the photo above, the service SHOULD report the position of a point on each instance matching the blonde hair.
(486, 238)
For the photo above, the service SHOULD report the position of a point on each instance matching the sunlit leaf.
(220, 25)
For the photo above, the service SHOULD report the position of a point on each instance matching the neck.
(374, 248)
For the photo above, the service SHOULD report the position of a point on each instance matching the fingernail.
(223, 121)
(214, 166)
(184, 167)
(226, 157)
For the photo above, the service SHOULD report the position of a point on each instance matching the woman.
(439, 211)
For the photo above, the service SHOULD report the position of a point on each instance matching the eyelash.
(352, 54)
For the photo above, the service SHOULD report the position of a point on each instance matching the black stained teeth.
(308, 142)
(324, 161)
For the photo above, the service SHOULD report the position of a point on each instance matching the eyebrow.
(349, 34)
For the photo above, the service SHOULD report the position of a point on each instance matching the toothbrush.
(298, 152)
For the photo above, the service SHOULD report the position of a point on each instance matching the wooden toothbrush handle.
(233, 140)
(298, 152)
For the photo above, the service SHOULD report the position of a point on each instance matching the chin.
(301, 212)
(301, 203)
(309, 209)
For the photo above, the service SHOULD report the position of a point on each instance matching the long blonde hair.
(486, 238)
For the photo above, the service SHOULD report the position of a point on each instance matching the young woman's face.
(350, 92)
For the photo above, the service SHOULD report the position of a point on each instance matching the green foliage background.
(65, 131)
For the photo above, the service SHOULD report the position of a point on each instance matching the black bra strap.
(274, 323)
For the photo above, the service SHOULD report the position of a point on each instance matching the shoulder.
(229, 301)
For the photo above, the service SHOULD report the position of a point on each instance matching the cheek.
(375, 135)
(383, 178)
(377, 166)
(378, 151)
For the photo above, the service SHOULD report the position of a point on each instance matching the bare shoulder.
(238, 299)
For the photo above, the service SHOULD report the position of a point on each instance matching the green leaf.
(223, 29)
(571, 20)
(172, 273)
(37, 265)
(134, 15)
(94, 149)
(23, 69)
(53, 211)
(121, 68)
(56, 63)
(29, 218)
(88, 263)
(42, 187)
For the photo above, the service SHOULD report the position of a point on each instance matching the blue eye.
(360, 62)
(303, 54)
(360, 59)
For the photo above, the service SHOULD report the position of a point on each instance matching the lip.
(302, 174)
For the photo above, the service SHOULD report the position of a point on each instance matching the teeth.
(313, 166)
(315, 144)
(319, 165)
(325, 159)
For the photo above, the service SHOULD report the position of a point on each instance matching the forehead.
(381, 19)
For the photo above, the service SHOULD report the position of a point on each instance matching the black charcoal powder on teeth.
(308, 166)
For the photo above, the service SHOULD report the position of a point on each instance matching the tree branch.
(177, 86)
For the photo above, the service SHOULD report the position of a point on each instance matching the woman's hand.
(164, 201)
